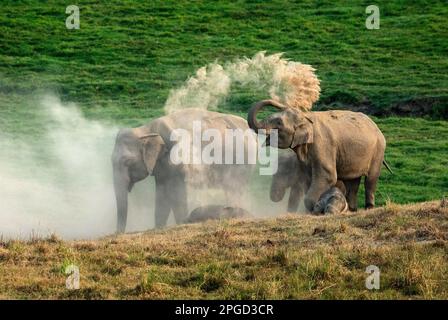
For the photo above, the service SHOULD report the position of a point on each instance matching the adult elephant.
(146, 150)
(333, 145)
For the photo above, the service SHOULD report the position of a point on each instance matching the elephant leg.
(293, 202)
(295, 195)
(372, 179)
(311, 198)
(235, 187)
(178, 199)
(352, 187)
(163, 208)
(318, 186)
(370, 186)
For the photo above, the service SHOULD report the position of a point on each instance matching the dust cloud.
(289, 82)
(61, 181)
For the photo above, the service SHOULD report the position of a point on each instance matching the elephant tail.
(387, 166)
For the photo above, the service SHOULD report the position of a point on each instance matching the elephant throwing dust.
(332, 145)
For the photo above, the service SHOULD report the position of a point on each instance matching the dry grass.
(290, 257)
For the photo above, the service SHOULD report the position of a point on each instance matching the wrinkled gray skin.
(143, 151)
(293, 174)
(216, 212)
(332, 145)
(332, 201)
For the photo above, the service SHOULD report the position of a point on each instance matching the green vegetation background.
(127, 55)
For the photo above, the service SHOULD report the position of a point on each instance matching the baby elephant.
(332, 201)
(216, 212)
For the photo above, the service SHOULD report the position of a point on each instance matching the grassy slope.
(417, 151)
(130, 53)
(284, 258)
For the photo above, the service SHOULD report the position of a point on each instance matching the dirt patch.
(435, 107)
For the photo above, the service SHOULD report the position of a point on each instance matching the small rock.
(319, 231)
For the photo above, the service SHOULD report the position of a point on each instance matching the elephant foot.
(309, 205)
(120, 229)
(369, 206)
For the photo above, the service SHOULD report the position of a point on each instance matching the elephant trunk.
(121, 186)
(252, 115)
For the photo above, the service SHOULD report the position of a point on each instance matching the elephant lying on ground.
(216, 212)
(332, 201)
(143, 151)
(332, 145)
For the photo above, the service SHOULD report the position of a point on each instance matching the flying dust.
(289, 82)
(61, 181)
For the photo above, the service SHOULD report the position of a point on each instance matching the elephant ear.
(153, 148)
(303, 133)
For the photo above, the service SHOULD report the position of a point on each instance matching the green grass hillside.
(131, 53)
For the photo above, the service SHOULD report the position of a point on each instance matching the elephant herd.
(329, 153)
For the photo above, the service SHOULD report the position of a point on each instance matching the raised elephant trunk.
(121, 186)
(252, 115)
